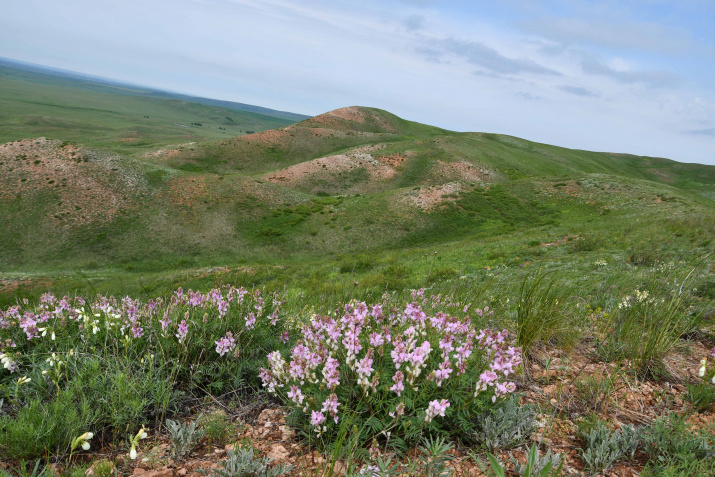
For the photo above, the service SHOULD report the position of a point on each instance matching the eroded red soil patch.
(72, 185)
(428, 197)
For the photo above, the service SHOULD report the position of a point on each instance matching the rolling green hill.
(124, 118)
(116, 195)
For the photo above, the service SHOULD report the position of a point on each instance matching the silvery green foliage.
(507, 427)
(630, 439)
(184, 437)
(244, 464)
(603, 448)
(547, 466)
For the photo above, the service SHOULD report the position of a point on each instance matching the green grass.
(209, 205)
(93, 114)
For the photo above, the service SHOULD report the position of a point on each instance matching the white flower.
(85, 445)
(133, 454)
(143, 435)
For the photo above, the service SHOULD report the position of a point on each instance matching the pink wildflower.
(182, 331)
(225, 344)
(250, 321)
(399, 385)
(296, 395)
(317, 418)
(436, 408)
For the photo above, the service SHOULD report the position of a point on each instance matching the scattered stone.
(278, 453)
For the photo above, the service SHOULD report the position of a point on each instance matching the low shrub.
(245, 464)
(645, 326)
(603, 447)
(668, 441)
(184, 436)
(107, 365)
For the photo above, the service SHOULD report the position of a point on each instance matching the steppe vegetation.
(354, 294)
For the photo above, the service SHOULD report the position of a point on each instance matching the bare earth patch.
(428, 197)
(307, 174)
(462, 171)
(77, 186)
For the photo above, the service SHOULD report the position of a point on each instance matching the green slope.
(128, 119)
(351, 183)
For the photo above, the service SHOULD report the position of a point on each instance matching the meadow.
(352, 294)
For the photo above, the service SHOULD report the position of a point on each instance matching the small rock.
(182, 471)
(278, 453)
(287, 432)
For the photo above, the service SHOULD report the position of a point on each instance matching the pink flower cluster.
(389, 353)
(132, 318)
(436, 408)
(503, 360)
(225, 344)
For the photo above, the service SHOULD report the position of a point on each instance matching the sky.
(631, 76)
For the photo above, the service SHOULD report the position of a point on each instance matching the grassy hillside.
(317, 198)
(126, 119)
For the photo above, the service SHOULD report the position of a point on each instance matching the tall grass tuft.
(542, 312)
(646, 325)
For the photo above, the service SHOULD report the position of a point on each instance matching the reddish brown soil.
(77, 187)
(429, 197)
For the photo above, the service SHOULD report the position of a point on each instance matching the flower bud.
(133, 454)
(85, 445)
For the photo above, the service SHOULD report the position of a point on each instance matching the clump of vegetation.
(245, 464)
(603, 447)
(395, 374)
(646, 325)
(542, 312)
(184, 436)
(504, 427)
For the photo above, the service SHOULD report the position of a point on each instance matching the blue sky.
(623, 76)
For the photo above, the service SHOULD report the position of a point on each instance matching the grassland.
(121, 118)
(354, 204)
